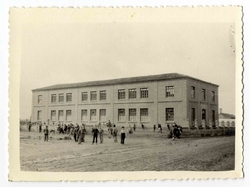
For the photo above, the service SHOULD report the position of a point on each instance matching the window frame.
(192, 92)
(103, 95)
(68, 94)
(132, 92)
(67, 116)
(59, 115)
(61, 95)
(169, 114)
(39, 99)
(146, 119)
(53, 98)
(169, 91)
(121, 94)
(51, 116)
(86, 96)
(203, 91)
(92, 94)
(39, 117)
(144, 93)
(132, 118)
(82, 111)
(123, 117)
(91, 112)
(100, 114)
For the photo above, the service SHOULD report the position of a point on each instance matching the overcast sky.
(78, 52)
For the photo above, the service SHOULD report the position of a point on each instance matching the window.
(53, 115)
(213, 116)
(68, 115)
(39, 115)
(102, 114)
(121, 114)
(93, 115)
(169, 114)
(93, 95)
(84, 96)
(169, 91)
(68, 97)
(53, 98)
(144, 92)
(212, 95)
(203, 114)
(39, 99)
(132, 93)
(192, 115)
(84, 115)
(121, 94)
(61, 97)
(144, 114)
(103, 95)
(203, 94)
(60, 115)
(192, 92)
(132, 114)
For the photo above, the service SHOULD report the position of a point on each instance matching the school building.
(155, 99)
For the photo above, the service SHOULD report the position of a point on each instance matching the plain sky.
(79, 52)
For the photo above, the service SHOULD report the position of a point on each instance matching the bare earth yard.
(143, 151)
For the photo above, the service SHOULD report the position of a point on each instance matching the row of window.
(203, 115)
(203, 92)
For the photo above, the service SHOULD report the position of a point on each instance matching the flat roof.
(148, 78)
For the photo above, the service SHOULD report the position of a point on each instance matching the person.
(65, 129)
(76, 133)
(154, 127)
(142, 126)
(109, 124)
(40, 127)
(29, 126)
(115, 132)
(95, 132)
(134, 126)
(101, 131)
(123, 135)
(46, 134)
(81, 134)
(159, 128)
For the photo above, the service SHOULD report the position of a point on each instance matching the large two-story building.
(154, 99)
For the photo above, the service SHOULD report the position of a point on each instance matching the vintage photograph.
(128, 90)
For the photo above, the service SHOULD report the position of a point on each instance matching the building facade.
(157, 99)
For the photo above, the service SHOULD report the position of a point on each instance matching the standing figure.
(46, 134)
(123, 135)
(40, 127)
(115, 132)
(134, 126)
(81, 134)
(154, 127)
(29, 126)
(95, 132)
(76, 133)
(101, 131)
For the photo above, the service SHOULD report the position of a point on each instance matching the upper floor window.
(93, 95)
(39, 99)
(192, 92)
(53, 98)
(169, 91)
(212, 95)
(203, 94)
(103, 95)
(121, 94)
(84, 96)
(132, 93)
(61, 97)
(144, 92)
(68, 97)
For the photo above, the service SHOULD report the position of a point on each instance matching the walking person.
(154, 127)
(40, 127)
(95, 132)
(134, 126)
(123, 135)
(76, 133)
(81, 134)
(46, 134)
(29, 126)
(115, 133)
(101, 131)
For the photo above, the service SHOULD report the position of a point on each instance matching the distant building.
(155, 99)
(226, 119)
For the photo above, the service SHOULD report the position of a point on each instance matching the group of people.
(159, 128)
(175, 131)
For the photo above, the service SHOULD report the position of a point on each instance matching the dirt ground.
(142, 151)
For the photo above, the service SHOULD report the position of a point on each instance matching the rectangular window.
(53, 98)
(93, 96)
(144, 92)
(39, 115)
(68, 97)
(213, 116)
(143, 114)
(192, 92)
(68, 115)
(203, 114)
(212, 95)
(60, 115)
(121, 94)
(84, 115)
(192, 115)
(121, 115)
(203, 94)
(93, 115)
(169, 114)
(103, 95)
(102, 115)
(132, 93)
(169, 91)
(84, 96)
(39, 99)
(53, 115)
(132, 114)
(61, 97)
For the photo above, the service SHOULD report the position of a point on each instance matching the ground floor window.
(102, 114)
(203, 114)
(169, 114)
(144, 114)
(39, 115)
(93, 115)
(132, 114)
(53, 115)
(84, 114)
(68, 115)
(60, 115)
(192, 115)
(121, 114)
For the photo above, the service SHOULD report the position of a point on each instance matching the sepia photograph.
(127, 90)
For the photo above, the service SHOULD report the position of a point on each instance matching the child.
(123, 136)
(46, 134)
